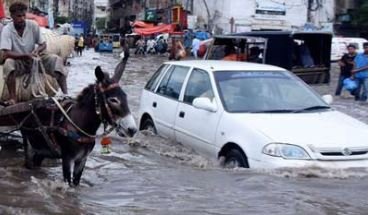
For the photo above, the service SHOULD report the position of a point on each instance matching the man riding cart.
(23, 50)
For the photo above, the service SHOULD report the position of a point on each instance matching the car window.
(172, 82)
(256, 91)
(152, 83)
(199, 85)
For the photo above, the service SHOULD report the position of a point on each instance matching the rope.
(37, 86)
(70, 120)
(46, 79)
(76, 126)
(38, 80)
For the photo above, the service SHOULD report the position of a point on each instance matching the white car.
(250, 115)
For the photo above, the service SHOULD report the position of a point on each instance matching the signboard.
(78, 27)
(270, 7)
(151, 15)
(2, 11)
(192, 20)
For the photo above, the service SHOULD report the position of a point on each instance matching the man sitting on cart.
(18, 41)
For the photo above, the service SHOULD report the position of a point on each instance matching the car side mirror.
(328, 99)
(204, 103)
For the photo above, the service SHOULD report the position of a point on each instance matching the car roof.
(221, 65)
(359, 39)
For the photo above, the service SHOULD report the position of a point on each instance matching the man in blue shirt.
(360, 73)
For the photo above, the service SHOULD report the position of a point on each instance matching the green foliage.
(62, 19)
(100, 23)
(359, 15)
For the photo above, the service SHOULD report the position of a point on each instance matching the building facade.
(100, 15)
(121, 12)
(82, 10)
(351, 18)
(225, 16)
(62, 7)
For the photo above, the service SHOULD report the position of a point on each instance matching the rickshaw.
(116, 40)
(307, 54)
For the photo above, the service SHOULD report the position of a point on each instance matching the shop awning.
(155, 30)
(141, 24)
(2, 10)
(42, 21)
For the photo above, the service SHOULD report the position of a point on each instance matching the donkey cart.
(66, 128)
(28, 116)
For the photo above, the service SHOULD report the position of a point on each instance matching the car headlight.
(286, 151)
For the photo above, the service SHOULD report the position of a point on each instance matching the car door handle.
(154, 104)
(182, 114)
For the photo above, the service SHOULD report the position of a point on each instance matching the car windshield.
(266, 91)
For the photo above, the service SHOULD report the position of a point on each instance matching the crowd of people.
(353, 73)
(178, 47)
(151, 45)
(82, 43)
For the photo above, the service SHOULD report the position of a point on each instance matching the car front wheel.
(235, 158)
(148, 125)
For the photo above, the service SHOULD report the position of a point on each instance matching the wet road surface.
(157, 176)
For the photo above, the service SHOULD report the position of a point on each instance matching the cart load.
(29, 86)
(61, 45)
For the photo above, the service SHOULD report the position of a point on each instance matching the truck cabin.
(307, 54)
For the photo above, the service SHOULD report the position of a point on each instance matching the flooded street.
(157, 176)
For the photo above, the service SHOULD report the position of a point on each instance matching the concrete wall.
(325, 17)
(246, 18)
(100, 9)
(63, 8)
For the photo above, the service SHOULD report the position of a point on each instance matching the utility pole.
(309, 6)
(210, 21)
(56, 5)
(50, 14)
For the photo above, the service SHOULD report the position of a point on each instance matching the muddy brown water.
(157, 176)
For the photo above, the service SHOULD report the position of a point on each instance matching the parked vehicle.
(306, 54)
(338, 48)
(105, 43)
(250, 115)
(116, 38)
(245, 48)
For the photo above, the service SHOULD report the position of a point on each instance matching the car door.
(165, 102)
(196, 127)
(149, 95)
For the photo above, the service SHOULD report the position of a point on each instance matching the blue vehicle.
(105, 44)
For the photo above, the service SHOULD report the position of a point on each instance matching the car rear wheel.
(148, 125)
(235, 158)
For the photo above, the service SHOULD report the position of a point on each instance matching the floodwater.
(156, 176)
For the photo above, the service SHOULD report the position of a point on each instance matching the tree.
(62, 19)
(100, 23)
(359, 15)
